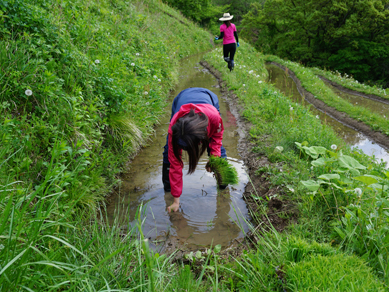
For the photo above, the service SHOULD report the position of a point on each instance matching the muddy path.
(276, 213)
(342, 117)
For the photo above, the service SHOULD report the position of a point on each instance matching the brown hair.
(227, 23)
(190, 131)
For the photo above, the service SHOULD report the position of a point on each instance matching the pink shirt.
(215, 134)
(228, 33)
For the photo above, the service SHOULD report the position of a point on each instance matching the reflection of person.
(229, 34)
(195, 125)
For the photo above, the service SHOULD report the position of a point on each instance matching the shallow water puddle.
(206, 216)
(286, 85)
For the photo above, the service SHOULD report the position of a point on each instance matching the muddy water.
(353, 138)
(206, 216)
(372, 105)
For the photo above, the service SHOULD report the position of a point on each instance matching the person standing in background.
(229, 34)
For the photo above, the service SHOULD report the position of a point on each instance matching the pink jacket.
(215, 133)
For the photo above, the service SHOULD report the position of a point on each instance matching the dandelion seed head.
(132, 64)
(146, 93)
(155, 77)
(97, 61)
(159, 80)
(317, 117)
(333, 147)
(28, 92)
(358, 191)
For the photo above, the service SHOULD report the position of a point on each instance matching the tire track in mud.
(378, 137)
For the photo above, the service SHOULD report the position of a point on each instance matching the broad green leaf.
(367, 179)
(217, 248)
(311, 185)
(329, 176)
(349, 162)
(319, 162)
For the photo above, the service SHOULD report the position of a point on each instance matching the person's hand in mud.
(175, 206)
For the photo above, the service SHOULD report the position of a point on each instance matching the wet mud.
(342, 117)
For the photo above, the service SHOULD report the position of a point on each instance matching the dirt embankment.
(342, 117)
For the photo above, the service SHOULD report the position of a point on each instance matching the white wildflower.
(146, 93)
(97, 61)
(358, 191)
(333, 147)
(244, 84)
(28, 92)
(159, 80)
(291, 108)
(147, 103)
(317, 117)
(260, 81)
(155, 77)
(132, 64)
(137, 54)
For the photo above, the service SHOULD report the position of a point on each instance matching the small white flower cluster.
(260, 81)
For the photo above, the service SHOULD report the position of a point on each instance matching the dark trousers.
(229, 50)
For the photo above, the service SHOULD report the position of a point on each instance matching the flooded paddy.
(207, 215)
(286, 85)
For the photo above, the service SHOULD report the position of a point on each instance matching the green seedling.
(224, 172)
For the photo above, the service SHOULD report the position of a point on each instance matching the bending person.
(195, 126)
(229, 34)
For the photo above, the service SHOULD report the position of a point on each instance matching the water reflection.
(206, 216)
(280, 79)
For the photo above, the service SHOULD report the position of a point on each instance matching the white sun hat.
(226, 16)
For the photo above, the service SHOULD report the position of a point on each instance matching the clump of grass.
(225, 173)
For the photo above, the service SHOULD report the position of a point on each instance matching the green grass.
(225, 173)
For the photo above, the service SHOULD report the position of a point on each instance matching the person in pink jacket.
(195, 126)
(230, 39)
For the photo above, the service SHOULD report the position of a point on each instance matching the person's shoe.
(229, 65)
(165, 177)
(232, 65)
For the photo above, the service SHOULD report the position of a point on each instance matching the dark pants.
(229, 51)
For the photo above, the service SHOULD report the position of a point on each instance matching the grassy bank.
(340, 193)
(314, 85)
(82, 85)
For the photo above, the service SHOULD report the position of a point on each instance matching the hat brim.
(226, 18)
